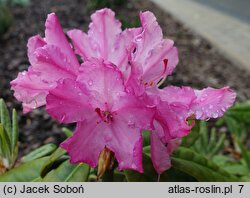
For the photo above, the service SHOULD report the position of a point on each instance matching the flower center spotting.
(106, 116)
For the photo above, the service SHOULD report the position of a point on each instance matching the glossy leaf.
(67, 132)
(240, 112)
(51, 160)
(40, 152)
(5, 117)
(150, 175)
(146, 138)
(199, 167)
(191, 138)
(208, 145)
(67, 172)
(237, 169)
(14, 137)
(244, 151)
(5, 144)
(26, 172)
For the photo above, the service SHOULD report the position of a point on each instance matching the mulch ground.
(200, 65)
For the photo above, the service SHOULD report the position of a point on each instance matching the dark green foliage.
(8, 137)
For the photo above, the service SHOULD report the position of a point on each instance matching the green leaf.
(191, 138)
(14, 138)
(24, 173)
(146, 138)
(40, 152)
(240, 112)
(199, 167)
(67, 132)
(237, 169)
(212, 141)
(246, 178)
(205, 145)
(217, 147)
(236, 127)
(119, 176)
(67, 172)
(150, 175)
(20, 2)
(5, 144)
(6, 19)
(221, 160)
(175, 175)
(51, 160)
(5, 118)
(244, 151)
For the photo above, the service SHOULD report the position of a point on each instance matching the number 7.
(241, 187)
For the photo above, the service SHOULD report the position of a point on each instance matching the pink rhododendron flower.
(106, 115)
(113, 95)
(52, 59)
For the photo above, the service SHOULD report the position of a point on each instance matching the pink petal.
(177, 95)
(157, 55)
(103, 81)
(133, 111)
(91, 137)
(126, 143)
(151, 33)
(150, 36)
(160, 152)
(87, 142)
(103, 32)
(121, 134)
(212, 103)
(160, 62)
(31, 89)
(53, 64)
(173, 120)
(34, 43)
(174, 110)
(82, 44)
(123, 47)
(133, 82)
(118, 54)
(68, 102)
(54, 36)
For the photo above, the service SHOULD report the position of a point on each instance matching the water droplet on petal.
(133, 166)
(138, 38)
(80, 94)
(215, 115)
(202, 99)
(90, 82)
(211, 106)
(121, 164)
(199, 114)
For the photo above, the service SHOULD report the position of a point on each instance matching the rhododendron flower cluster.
(112, 94)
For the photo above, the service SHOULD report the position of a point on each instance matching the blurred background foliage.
(6, 17)
(98, 4)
